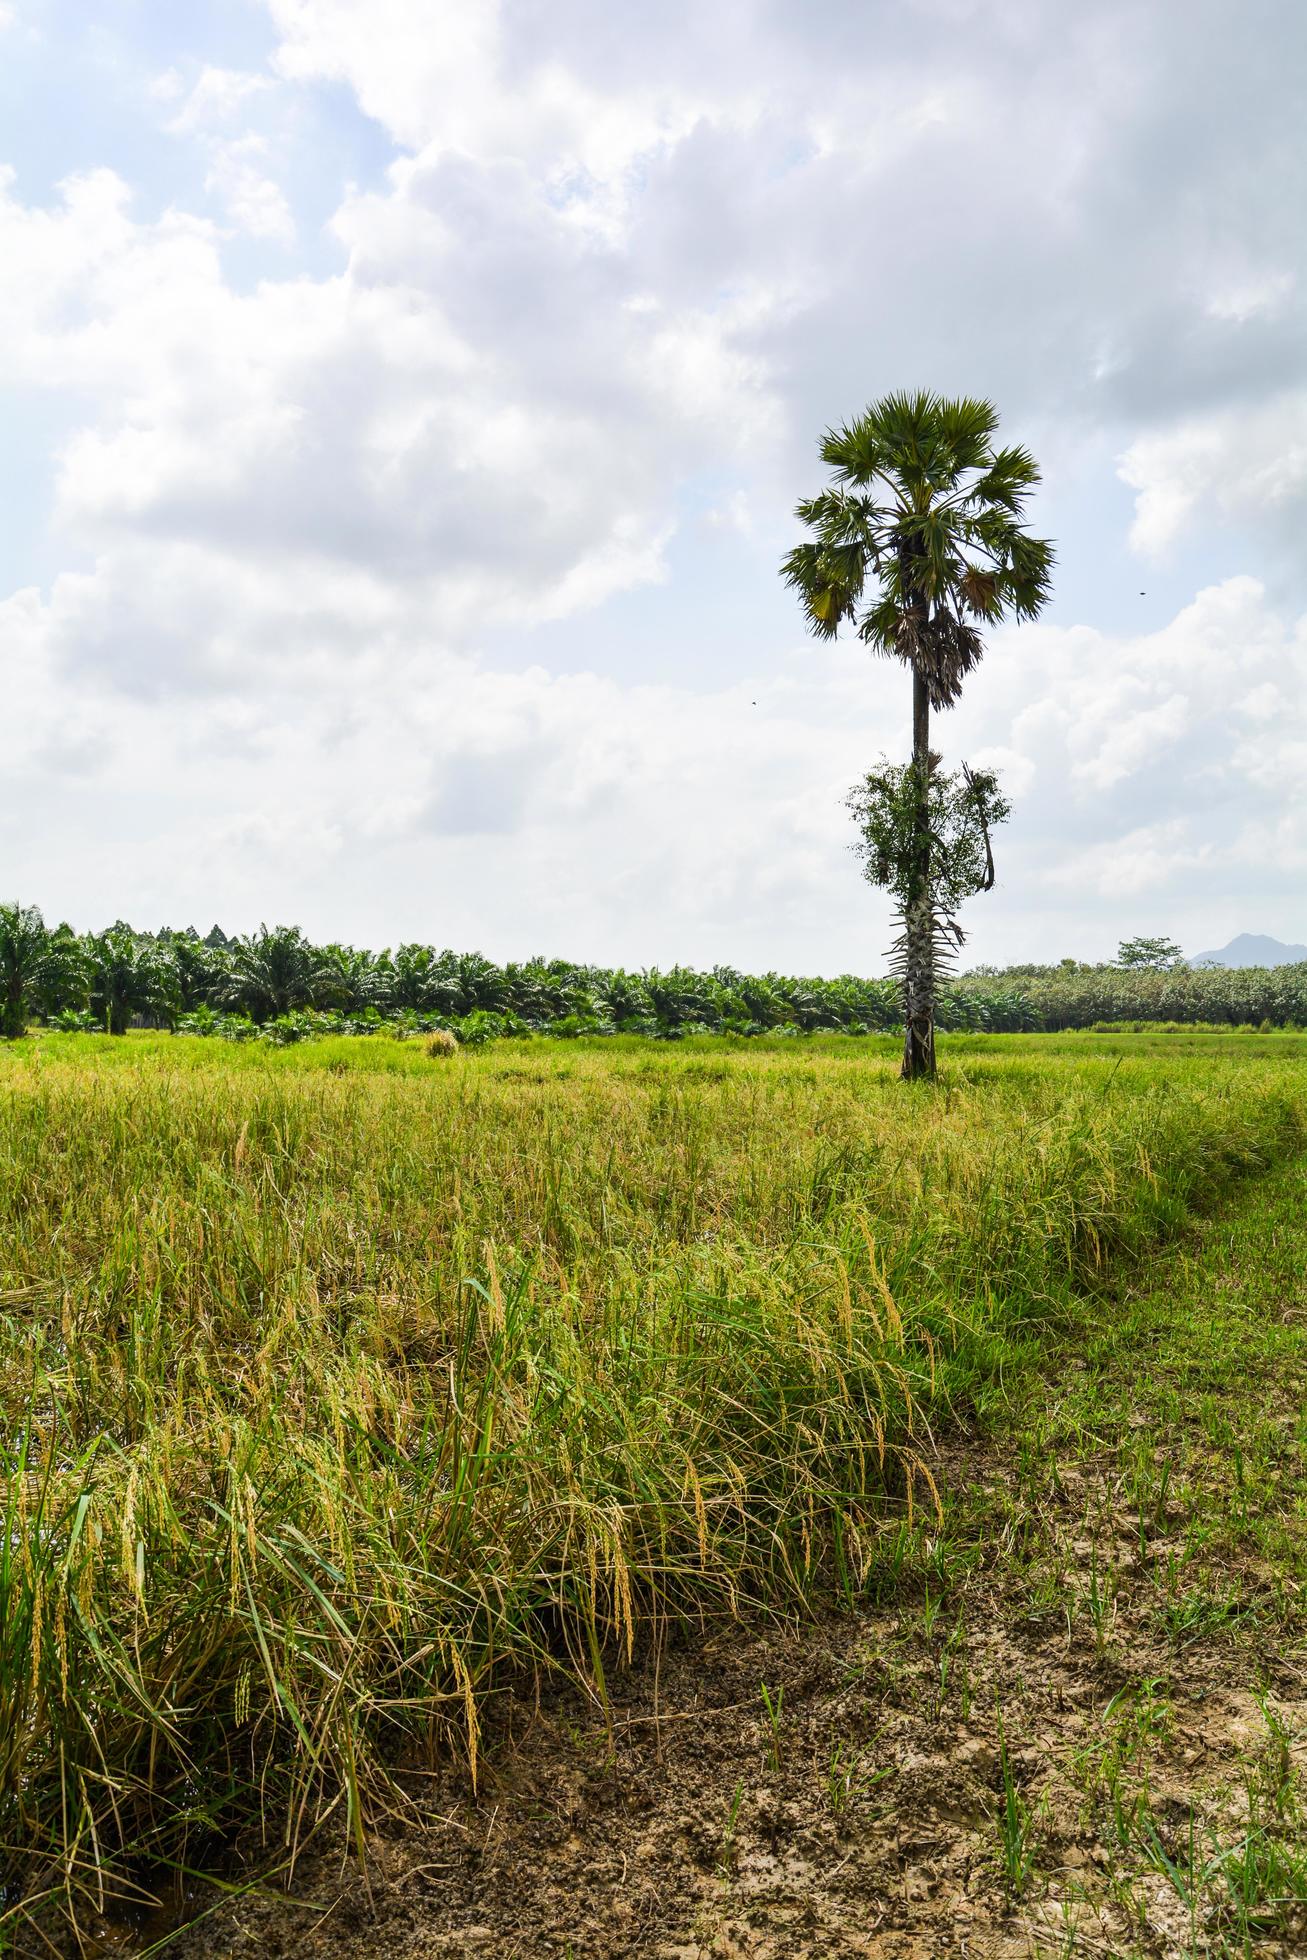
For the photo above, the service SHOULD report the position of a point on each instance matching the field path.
(1075, 1725)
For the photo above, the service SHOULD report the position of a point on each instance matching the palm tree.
(40, 970)
(919, 544)
(131, 973)
(354, 980)
(272, 972)
(200, 965)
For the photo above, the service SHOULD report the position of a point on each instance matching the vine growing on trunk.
(929, 871)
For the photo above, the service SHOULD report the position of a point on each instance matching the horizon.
(407, 411)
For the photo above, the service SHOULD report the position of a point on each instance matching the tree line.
(277, 985)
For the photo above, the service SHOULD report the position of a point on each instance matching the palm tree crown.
(919, 542)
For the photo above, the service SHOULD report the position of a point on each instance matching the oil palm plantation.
(274, 971)
(918, 544)
(40, 969)
(131, 974)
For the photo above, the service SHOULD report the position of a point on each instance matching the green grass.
(341, 1384)
(1154, 1518)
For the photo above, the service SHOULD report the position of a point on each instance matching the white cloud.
(1262, 703)
(448, 80)
(213, 112)
(323, 532)
(1144, 861)
(253, 202)
(1244, 464)
(354, 419)
(217, 97)
(314, 759)
(733, 513)
(1018, 769)
(1242, 298)
(514, 804)
(1117, 736)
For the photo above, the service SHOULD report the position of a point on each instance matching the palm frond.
(920, 534)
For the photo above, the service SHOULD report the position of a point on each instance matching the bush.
(76, 1020)
(226, 1027)
(569, 1027)
(481, 1026)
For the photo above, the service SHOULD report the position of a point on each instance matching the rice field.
(347, 1385)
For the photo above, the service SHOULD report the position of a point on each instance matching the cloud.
(461, 84)
(605, 264)
(1144, 783)
(1118, 733)
(328, 756)
(213, 112)
(216, 98)
(253, 202)
(369, 420)
(369, 580)
(1120, 262)
(1143, 862)
(1248, 465)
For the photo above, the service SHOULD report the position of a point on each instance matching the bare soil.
(868, 1822)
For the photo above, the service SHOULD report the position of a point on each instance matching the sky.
(403, 404)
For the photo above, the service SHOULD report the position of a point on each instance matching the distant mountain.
(1252, 949)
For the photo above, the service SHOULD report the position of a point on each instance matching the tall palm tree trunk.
(13, 1016)
(918, 924)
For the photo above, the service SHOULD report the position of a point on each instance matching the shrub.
(226, 1027)
(483, 1025)
(570, 1027)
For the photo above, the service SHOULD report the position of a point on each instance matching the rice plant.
(337, 1385)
